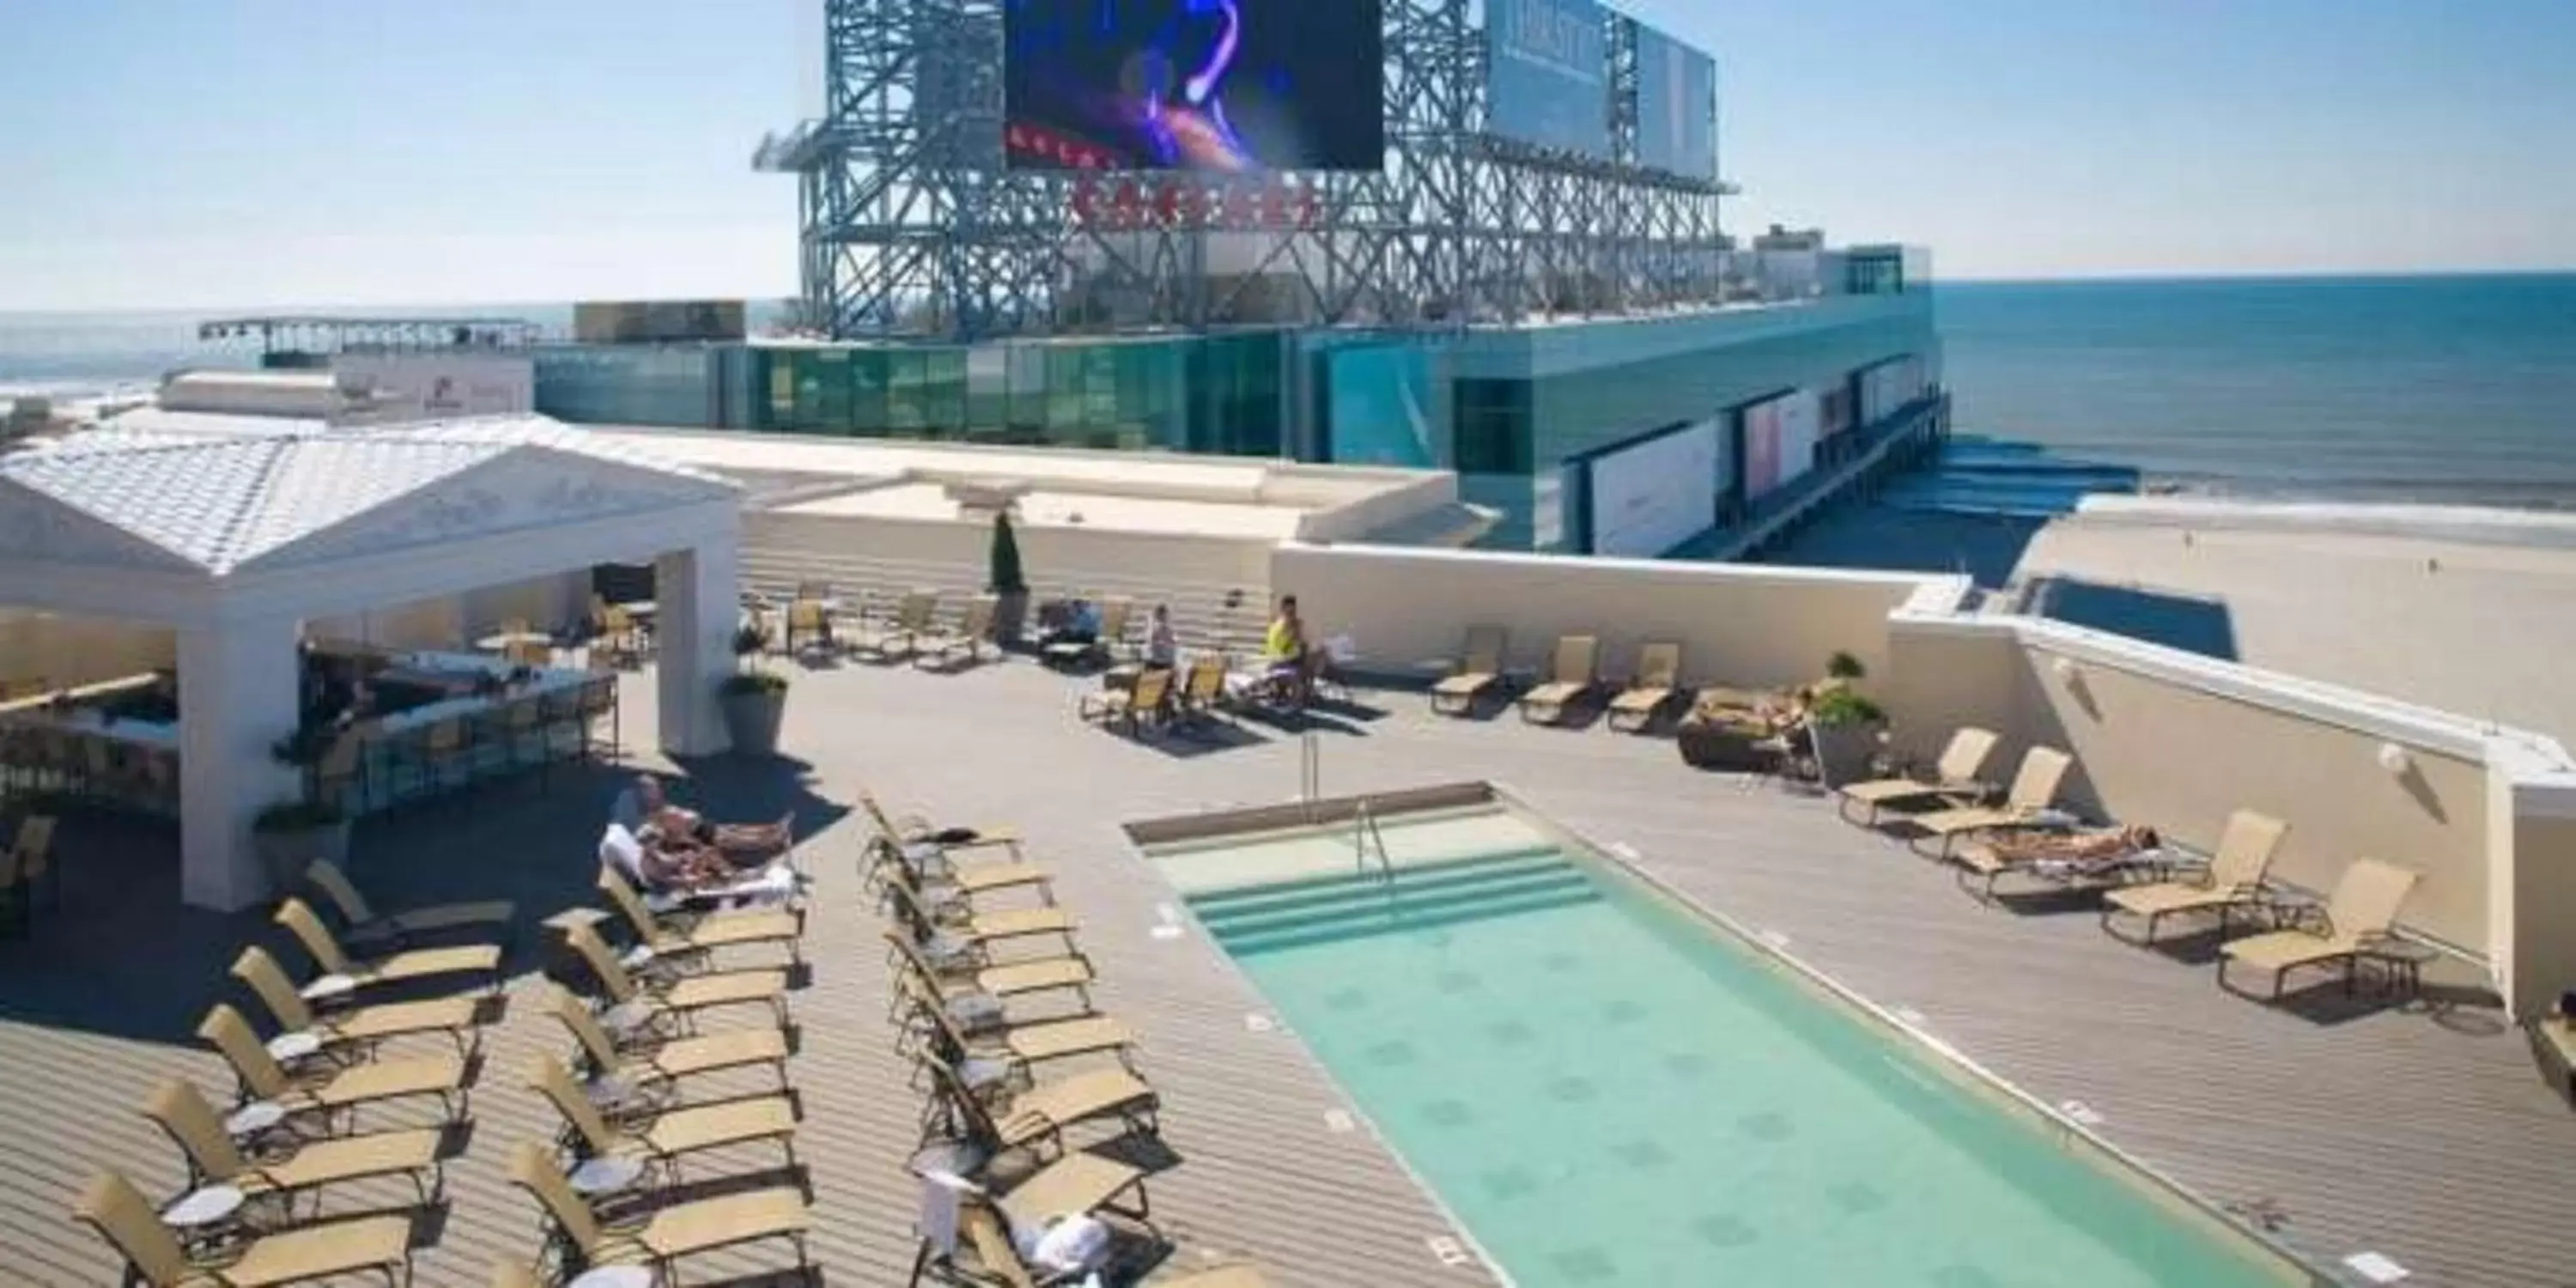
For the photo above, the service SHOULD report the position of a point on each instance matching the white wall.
(1656, 495)
(437, 384)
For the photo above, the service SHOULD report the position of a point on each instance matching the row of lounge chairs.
(912, 633)
(1956, 809)
(1573, 678)
(292, 1132)
(1021, 1074)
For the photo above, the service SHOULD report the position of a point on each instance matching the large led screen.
(1676, 106)
(1379, 399)
(1547, 78)
(1651, 498)
(1231, 86)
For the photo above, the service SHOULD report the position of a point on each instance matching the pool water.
(1608, 1090)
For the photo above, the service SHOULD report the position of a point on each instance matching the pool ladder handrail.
(1364, 837)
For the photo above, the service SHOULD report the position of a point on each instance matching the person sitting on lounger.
(644, 810)
(654, 865)
(1080, 625)
(1162, 647)
(1291, 660)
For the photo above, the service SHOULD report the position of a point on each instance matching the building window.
(1491, 427)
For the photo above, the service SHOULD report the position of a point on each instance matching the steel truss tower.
(911, 225)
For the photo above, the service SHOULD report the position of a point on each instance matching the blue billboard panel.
(1676, 106)
(1378, 398)
(1233, 86)
(1547, 77)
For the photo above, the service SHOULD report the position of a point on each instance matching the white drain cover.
(1450, 1251)
(1339, 1122)
(2081, 1112)
(1259, 1023)
(1165, 932)
(2376, 1267)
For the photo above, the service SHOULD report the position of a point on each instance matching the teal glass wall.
(1220, 394)
(677, 385)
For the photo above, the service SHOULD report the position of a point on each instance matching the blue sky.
(253, 153)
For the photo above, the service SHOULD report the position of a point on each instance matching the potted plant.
(754, 698)
(291, 835)
(1845, 724)
(1007, 583)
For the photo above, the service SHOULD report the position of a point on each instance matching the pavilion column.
(240, 685)
(699, 603)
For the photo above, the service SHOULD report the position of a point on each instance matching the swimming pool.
(1609, 1089)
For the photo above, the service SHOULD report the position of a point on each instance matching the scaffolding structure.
(912, 225)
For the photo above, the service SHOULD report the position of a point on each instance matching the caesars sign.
(397, 387)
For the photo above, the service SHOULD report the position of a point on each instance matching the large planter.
(1843, 751)
(1010, 617)
(285, 853)
(752, 717)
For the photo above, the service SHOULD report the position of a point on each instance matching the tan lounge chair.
(112, 1206)
(1479, 670)
(1148, 699)
(400, 967)
(1657, 685)
(655, 1065)
(1021, 1045)
(680, 936)
(2360, 914)
(963, 646)
(2234, 879)
(213, 1158)
(667, 1233)
(1203, 688)
(808, 621)
(1116, 613)
(365, 924)
(972, 1243)
(890, 641)
(1572, 675)
(1016, 979)
(331, 1088)
(916, 830)
(1956, 779)
(2033, 794)
(975, 929)
(361, 1027)
(1039, 1114)
(677, 1001)
(660, 1138)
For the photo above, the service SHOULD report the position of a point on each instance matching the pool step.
(1350, 906)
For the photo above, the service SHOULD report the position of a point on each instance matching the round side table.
(614, 1277)
(330, 988)
(291, 1049)
(600, 1177)
(206, 1218)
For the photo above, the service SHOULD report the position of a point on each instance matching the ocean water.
(2458, 388)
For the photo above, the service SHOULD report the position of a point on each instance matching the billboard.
(1779, 441)
(1647, 499)
(1547, 74)
(1798, 434)
(1890, 385)
(1229, 86)
(1377, 402)
(1676, 106)
(657, 321)
(398, 386)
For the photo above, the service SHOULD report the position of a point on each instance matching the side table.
(2393, 967)
(206, 1219)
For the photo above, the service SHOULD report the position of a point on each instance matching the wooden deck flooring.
(2422, 1133)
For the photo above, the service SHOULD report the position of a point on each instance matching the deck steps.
(1357, 904)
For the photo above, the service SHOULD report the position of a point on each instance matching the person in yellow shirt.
(1285, 649)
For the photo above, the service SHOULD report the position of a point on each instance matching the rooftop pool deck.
(2420, 1133)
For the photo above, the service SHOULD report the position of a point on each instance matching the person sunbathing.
(2075, 847)
(661, 864)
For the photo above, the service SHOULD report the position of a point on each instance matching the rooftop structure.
(309, 340)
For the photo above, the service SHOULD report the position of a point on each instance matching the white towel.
(1064, 1245)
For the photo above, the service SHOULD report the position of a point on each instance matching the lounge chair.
(365, 924)
(112, 1206)
(1479, 670)
(931, 872)
(2233, 880)
(1572, 675)
(1203, 695)
(213, 1159)
(661, 1137)
(333, 1087)
(808, 619)
(686, 936)
(968, 977)
(2361, 913)
(1956, 779)
(655, 1066)
(1148, 699)
(360, 1027)
(1039, 1114)
(965, 646)
(2029, 802)
(894, 640)
(403, 966)
(1020, 1045)
(675, 1001)
(669, 1232)
(973, 930)
(916, 830)
(1657, 685)
(966, 1229)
